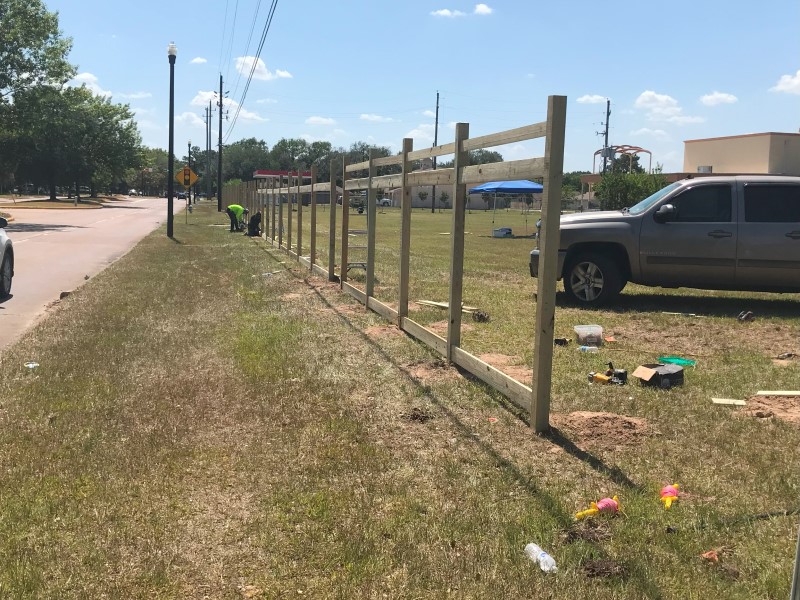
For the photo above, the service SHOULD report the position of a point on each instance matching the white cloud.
(446, 12)
(658, 134)
(530, 75)
(244, 64)
(266, 101)
(199, 60)
(482, 9)
(715, 98)
(90, 82)
(202, 98)
(141, 112)
(591, 99)
(191, 119)
(134, 96)
(421, 132)
(428, 113)
(376, 118)
(320, 121)
(660, 107)
(789, 84)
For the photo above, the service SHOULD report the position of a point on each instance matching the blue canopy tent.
(520, 186)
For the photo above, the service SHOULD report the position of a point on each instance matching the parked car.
(384, 201)
(181, 195)
(6, 260)
(737, 233)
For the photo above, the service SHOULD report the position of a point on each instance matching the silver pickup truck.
(718, 233)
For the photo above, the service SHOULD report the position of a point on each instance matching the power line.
(253, 66)
(233, 31)
(247, 46)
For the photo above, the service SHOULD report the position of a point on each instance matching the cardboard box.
(659, 375)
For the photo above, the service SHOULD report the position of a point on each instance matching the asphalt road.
(56, 249)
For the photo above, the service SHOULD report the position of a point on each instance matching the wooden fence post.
(273, 209)
(280, 213)
(457, 239)
(299, 202)
(332, 229)
(345, 224)
(405, 232)
(548, 263)
(371, 223)
(289, 211)
(313, 248)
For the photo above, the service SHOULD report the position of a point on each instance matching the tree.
(443, 200)
(71, 137)
(487, 197)
(620, 190)
(241, 158)
(626, 163)
(422, 195)
(32, 49)
(286, 154)
(476, 157)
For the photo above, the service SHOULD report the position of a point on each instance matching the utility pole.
(189, 164)
(435, 143)
(208, 152)
(219, 153)
(605, 143)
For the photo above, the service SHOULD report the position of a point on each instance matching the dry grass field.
(207, 420)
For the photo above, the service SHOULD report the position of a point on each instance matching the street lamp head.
(172, 51)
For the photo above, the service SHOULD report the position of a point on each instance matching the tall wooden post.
(371, 223)
(313, 248)
(273, 209)
(548, 263)
(289, 211)
(299, 203)
(457, 241)
(280, 212)
(345, 223)
(405, 231)
(332, 229)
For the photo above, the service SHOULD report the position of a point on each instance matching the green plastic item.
(677, 360)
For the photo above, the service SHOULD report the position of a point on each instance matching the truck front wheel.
(592, 279)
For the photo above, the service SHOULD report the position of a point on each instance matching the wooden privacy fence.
(276, 199)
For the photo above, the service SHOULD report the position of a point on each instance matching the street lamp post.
(172, 52)
(189, 164)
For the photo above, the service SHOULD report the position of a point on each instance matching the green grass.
(198, 428)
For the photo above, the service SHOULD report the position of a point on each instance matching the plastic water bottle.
(546, 562)
(591, 349)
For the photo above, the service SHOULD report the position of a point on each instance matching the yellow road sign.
(186, 177)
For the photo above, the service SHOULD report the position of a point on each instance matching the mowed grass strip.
(206, 423)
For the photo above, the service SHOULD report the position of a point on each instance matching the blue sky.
(358, 70)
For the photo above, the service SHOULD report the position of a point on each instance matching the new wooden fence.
(276, 199)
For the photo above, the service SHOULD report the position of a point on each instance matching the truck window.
(704, 204)
(768, 203)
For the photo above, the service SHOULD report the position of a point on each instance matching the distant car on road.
(181, 195)
(6, 260)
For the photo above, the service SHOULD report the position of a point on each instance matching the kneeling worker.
(254, 226)
(235, 212)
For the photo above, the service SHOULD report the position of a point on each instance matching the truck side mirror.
(666, 212)
(3, 223)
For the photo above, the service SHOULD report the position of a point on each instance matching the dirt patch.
(603, 568)
(429, 371)
(602, 430)
(418, 415)
(588, 530)
(294, 296)
(786, 408)
(510, 366)
(383, 331)
(440, 327)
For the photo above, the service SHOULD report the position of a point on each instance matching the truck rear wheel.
(592, 279)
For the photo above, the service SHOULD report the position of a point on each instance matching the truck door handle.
(719, 233)
(795, 235)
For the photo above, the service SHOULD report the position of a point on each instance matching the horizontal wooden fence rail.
(286, 194)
